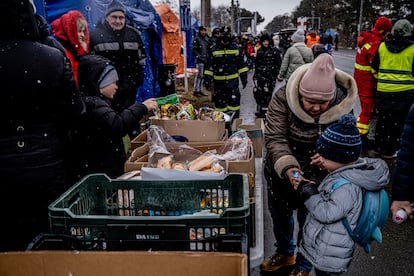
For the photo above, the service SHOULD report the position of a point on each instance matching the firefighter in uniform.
(224, 67)
(365, 76)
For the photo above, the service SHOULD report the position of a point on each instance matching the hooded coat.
(326, 242)
(291, 134)
(65, 29)
(297, 55)
(39, 103)
(99, 136)
(267, 65)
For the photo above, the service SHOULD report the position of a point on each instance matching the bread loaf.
(165, 162)
(201, 162)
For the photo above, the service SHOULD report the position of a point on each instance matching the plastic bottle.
(401, 215)
(296, 174)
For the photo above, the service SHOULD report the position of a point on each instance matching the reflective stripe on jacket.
(395, 70)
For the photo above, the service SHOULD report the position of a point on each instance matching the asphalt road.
(394, 256)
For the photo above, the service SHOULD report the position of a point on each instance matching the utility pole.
(232, 15)
(206, 14)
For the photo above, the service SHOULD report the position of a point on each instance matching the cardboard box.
(126, 263)
(139, 140)
(255, 133)
(142, 138)
(139, 158)
(193, 130)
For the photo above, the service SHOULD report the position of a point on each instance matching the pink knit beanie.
(318, 83)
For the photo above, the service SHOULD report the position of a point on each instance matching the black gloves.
(307, 189)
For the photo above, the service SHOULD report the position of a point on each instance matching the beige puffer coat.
(290, 133)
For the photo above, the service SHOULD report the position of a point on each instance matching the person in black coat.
(99, 136)
(403, 179)
(39, 103)
(267, 65)
(200, 47)
(122, 44)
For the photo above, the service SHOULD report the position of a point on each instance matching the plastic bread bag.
(237, 147)
(209, 161)
(157, 149)
(183, 154)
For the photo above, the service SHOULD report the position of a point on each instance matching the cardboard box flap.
(128, 263)
(193, 130)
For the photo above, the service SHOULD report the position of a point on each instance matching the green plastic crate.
(160, 215)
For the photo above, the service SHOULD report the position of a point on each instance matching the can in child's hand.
(400, 216)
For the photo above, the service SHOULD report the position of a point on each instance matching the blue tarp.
(141, 14)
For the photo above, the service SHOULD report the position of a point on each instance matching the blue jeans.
(198, 82)
(283, 228)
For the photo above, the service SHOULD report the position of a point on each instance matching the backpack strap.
(339, 183)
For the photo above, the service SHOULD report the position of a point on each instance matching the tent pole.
(185, 62)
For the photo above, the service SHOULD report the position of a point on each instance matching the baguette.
(215, 167)
(201, 162)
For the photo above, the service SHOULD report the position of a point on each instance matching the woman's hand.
(295, 176)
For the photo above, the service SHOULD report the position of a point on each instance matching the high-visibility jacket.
(310, 41)
(225, 67)
(365, 76)
(395, 70)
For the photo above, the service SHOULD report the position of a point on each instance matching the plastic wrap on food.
(173, 111)
(155, 138)
(183, 115)
(189, 108)
(237, 147)
(204, 161)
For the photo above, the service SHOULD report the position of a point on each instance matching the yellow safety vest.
(395, 70)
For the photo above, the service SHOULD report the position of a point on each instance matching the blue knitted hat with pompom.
(341, 142)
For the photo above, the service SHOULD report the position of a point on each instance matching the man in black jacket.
(121, 44)
(200, 50)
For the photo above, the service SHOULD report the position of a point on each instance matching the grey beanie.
(298, 36)
(108, 76)
(402, 27)
(115, 5)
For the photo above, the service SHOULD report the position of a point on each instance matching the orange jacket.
(312, 39)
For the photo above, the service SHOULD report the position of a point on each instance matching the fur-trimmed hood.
(348, 104)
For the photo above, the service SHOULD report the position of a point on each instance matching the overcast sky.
(267, 8)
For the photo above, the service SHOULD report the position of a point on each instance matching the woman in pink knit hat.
(316, 95)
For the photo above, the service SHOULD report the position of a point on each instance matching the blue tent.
(141, 14)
